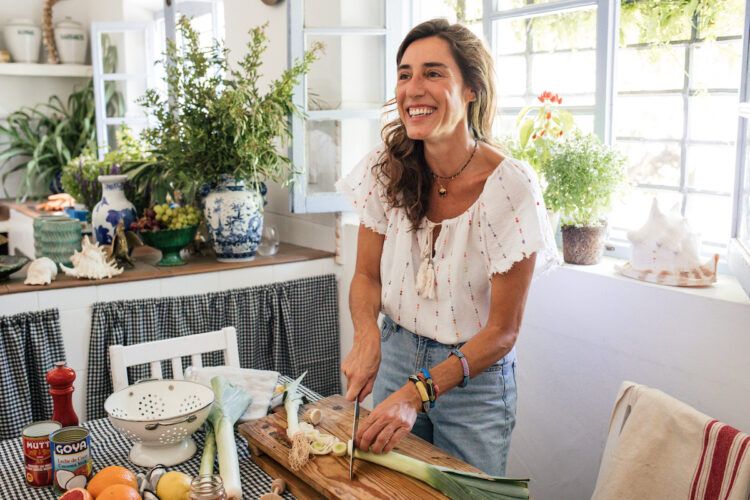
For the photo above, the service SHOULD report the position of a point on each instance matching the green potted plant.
(582, 177)
(217, 127)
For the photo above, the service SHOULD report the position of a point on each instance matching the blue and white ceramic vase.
(112, 208)
(234, 218)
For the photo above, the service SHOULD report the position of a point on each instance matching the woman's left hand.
(390, 421)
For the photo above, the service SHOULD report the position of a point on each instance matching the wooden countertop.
(146, 268)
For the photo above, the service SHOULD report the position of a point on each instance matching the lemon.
(173, 485)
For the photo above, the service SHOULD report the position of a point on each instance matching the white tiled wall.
(75, 304)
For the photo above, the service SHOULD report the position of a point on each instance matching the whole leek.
(229, 405)
(455, 484)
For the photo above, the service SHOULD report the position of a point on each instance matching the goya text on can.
(36, 451)
(71, 458)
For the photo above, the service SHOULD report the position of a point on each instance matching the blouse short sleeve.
(365, 193)
(514, 220)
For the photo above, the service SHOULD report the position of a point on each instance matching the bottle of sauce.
(60, 380)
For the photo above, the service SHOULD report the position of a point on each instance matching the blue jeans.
(473, 423)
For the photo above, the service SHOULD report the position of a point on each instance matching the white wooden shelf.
(46, 70)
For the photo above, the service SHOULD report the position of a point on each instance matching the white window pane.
(332, 147)
(716, 65)
(711, 216)
(121, 96)
(729, 20)
(666, 68)
(652, 162)
(744, 215)
(637, 18)
(565, 73)
(711, 167)
(342, 78)
(653, 117)
(515, 4)
(514, 85)
(633, 210)
(135, 129)
(338, 13)
(123, 52)
(713, 117)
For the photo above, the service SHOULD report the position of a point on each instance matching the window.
(675, 113)
(344, 93)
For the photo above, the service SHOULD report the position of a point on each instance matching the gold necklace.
(442, 191)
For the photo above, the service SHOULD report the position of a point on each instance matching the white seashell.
(91, 262)
(665, 251)
(41, 272)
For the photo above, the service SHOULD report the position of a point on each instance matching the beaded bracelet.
(432, 386)
(464, 365)
(422, 390)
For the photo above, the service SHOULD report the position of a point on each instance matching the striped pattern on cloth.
(289, 327)
(30, 344)
(109, 447)
(659, 447)
(724, 450)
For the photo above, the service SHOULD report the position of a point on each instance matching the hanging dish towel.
(258, 383)
(659, 447)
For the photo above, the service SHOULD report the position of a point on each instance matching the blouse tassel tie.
(426, 275)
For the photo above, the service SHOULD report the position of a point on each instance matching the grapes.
(164, 216)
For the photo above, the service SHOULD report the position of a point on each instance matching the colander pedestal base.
(149, 456)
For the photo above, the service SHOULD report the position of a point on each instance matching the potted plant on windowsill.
(217, 128)
(582, 177)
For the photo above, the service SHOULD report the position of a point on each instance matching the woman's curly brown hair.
(402, 167)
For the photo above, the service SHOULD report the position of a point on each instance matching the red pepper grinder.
(60, 379)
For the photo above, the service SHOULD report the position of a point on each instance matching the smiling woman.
(450, 234)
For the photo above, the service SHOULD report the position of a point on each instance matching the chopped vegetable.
(455, 484)
(314, 416)
(300, 452)
(229, 405)
(339, 449)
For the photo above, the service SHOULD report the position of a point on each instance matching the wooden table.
(327, 476)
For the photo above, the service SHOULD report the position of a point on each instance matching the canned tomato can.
(36, 451)
(71, 458)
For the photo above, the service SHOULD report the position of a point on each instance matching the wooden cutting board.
(327, 476)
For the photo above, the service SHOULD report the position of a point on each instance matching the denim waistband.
(429, 343)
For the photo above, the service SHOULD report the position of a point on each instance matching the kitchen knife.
(354, 434)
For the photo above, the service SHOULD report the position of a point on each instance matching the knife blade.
(355, 423)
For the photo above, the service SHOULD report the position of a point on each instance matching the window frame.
(301, 201)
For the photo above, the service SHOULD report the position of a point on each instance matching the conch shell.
(91, 262)
(665, 251)
(41, 272)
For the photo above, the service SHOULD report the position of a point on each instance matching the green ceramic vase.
(59, 239)
(38, 220)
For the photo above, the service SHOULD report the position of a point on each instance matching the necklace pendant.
(442, 191)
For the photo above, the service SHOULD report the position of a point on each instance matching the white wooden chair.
(153, 353)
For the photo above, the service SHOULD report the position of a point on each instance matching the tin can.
(71, 458)
(36, 451)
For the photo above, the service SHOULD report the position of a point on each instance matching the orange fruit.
(76, 494)
(119, 492)
(110, 476)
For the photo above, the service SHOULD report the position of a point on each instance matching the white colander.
(159, 416)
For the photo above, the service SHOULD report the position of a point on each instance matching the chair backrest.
(153, 353)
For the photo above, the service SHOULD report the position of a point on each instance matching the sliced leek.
(455, 484)
(300, 452)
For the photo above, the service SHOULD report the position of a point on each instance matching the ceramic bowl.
(170, 242)
(9, 264)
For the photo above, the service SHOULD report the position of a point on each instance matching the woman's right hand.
(361, 365)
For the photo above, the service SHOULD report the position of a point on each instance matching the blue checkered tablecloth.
(109, 447)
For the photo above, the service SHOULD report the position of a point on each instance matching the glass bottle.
(207, 488)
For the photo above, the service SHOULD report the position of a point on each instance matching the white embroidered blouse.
(506, 223)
